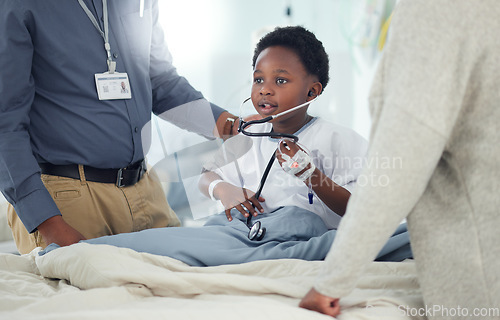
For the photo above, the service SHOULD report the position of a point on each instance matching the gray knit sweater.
(435, 104)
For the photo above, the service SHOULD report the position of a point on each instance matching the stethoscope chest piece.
(256, 232)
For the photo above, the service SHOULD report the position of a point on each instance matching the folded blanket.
(291, 233)
(101, 282)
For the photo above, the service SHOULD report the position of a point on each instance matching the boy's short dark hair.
(304, 43)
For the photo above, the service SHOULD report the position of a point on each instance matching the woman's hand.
(241, 199)
(315, 301)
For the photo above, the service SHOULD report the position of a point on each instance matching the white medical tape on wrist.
(295, 164)
(307, 174)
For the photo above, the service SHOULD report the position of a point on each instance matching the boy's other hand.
(241, 199)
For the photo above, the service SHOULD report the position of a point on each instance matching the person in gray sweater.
(435, 104)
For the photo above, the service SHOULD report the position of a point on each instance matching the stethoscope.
(256, 231)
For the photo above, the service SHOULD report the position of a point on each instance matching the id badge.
(112, 86)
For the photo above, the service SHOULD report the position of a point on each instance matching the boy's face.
(280, 82)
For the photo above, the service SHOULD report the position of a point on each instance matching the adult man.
(63, 114)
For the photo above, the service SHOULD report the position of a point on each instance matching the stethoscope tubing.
(262, 181)
(244, 124)
(259, 234)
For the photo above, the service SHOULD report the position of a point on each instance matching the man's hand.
(315, 301)
(56, 230)
(227, 124)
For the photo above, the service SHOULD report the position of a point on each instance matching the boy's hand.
(241, 199)
(290, 148)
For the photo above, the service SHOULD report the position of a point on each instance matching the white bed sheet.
(105, 282)
(7, 244)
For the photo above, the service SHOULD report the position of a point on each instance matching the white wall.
(212, 45)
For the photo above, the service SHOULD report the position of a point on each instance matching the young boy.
(290, 68)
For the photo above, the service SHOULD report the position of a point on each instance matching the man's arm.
(19, 171)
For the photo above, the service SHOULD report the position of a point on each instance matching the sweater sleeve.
(415, 101)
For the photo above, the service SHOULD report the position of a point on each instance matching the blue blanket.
(291, 232)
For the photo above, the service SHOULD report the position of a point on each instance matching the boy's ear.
(314, 91)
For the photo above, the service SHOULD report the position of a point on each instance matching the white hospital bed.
(6, 243)
(104, 282)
